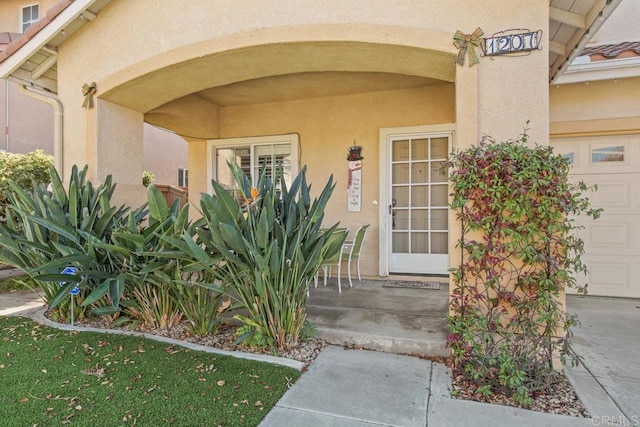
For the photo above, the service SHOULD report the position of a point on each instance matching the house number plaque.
(512, 42)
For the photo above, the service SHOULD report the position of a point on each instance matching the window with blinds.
(275, 154)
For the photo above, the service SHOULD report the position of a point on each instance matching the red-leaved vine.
(519, 253)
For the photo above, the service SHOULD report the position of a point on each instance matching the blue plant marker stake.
(73, 292)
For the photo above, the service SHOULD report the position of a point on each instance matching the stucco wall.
(595, 107)
(123, 45)
(621, 25)
(328, 127)
(163, 154)
(10, 13)
(146, 53)
(29, 124)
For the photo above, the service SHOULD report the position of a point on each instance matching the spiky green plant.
(271, 244)
(202, 308)
(56, 228)
(113, 253)
(160, 276)
(139, 253)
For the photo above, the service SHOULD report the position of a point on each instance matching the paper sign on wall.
(354, 186)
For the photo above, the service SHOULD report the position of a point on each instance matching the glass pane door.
(419, 198)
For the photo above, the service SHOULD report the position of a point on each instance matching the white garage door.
(612, 243)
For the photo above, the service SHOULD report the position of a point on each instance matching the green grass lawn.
(53, 377)
(17, 284)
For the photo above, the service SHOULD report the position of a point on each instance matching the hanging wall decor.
(354, 182)
(88, 91)
(468, 45)
(355, 153)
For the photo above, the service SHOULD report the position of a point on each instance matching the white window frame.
(22, 21)
(212, 145)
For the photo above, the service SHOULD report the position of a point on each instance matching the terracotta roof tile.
(7, 38)
(16, 43)
(611, 51)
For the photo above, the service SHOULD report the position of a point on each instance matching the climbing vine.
(519, 253)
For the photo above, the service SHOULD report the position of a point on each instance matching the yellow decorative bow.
(468, 45)
(88, 91)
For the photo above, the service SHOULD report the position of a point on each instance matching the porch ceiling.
(310, 85)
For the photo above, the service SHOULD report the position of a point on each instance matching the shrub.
(159, 275)
(57, 228)
(516, 207)
(202, 308)
(24, 169)
(270, 244)
(118, 259)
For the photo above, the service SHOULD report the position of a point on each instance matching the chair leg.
(315, 279)
(339, 284)
(359, 279)
(324, 270)
(349, 273)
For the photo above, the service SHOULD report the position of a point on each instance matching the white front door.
(416, 225)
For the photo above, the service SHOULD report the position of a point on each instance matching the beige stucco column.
(197, 174)
(515, 88)
(467, 134)
(114, 147)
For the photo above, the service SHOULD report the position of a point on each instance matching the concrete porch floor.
(395, 320)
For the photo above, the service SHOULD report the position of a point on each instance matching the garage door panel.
(602, 155)
(609, 235)
(618, 233)
(616, 193)
(611, 275)
(612, 194)
(612, 243)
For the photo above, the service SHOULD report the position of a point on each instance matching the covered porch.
(373, 316)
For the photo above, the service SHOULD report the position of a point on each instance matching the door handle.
(392, 212)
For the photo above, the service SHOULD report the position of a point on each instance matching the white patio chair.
(351, 251)
(337, 237)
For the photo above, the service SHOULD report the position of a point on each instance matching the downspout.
(57, 121)
(6, 119)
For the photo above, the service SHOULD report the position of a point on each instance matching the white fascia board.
(601, 70)
(40, 40)
(597, 16)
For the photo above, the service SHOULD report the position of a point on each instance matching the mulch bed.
(225, 338)
(561, 399)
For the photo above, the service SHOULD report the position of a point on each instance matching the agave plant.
(56, 228)
(123, 267)
(270, 242)
(160, 276)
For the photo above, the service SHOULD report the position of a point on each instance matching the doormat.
(412, 285)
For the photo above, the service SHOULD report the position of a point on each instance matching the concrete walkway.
(365, 388)
(369, 315)
(608, 345)
(368, 388)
